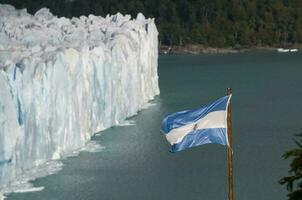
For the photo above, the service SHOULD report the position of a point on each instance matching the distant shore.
(200, 49)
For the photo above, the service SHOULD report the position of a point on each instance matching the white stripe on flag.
(216, 119)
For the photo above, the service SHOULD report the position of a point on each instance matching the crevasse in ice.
(62, 80)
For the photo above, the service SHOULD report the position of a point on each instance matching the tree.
(294, 181)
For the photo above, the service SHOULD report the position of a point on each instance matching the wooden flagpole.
(230, 148)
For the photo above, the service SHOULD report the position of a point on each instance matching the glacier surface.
(62, 80)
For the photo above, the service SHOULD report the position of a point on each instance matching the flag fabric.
(190, 128)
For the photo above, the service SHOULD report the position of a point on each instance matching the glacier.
(63, 80)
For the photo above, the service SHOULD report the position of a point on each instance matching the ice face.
(62, 80)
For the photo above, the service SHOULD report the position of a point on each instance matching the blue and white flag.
(204, 125)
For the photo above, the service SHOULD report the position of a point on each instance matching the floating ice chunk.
(93, 147)
(29, 189)
(148, 105)
(127, 123)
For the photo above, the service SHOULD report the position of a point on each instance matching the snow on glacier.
(62, 80)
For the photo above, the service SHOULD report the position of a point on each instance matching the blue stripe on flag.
(182, 118)
(200, 137)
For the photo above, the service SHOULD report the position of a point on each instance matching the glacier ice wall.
(62, 80)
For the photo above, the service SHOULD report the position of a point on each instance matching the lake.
(136, 163)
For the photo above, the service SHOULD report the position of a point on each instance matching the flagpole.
(230, 148)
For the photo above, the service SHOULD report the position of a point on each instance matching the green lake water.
(136, 163)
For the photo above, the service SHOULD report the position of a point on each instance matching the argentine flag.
(190, 128)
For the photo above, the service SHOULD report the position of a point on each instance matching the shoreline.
(200, 49)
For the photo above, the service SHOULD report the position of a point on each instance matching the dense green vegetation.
(215, 23)
(294, 181)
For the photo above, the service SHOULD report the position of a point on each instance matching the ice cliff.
(62, 80)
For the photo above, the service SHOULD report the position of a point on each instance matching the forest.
(211, 23)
